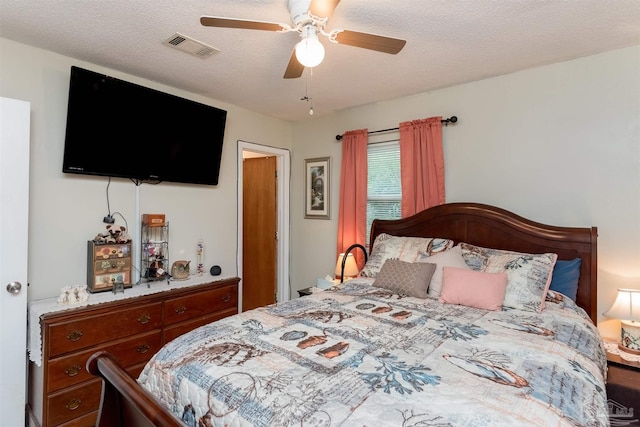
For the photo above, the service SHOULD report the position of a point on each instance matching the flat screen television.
(120, 129)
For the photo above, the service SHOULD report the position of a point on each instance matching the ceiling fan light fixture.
(309, 50)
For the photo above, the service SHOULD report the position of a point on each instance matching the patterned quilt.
(362, 356)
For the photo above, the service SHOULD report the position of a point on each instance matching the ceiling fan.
(309, 18)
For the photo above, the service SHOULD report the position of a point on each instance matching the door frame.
(283, 167)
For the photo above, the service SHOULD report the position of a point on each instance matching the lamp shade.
(626, 306)
(350, 266)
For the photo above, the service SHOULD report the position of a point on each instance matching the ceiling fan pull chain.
(310, 97)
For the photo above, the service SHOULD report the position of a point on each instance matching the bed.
(369, 354)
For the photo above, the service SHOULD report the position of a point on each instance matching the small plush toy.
(100, 238)
(124, 236)
(117, 234)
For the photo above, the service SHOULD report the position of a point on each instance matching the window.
(384, 190)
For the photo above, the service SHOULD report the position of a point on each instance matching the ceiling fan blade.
(323, 8)
(369, 41)
(294, 68)
(214, 21)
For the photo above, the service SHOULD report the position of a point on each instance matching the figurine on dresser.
(73, 294)
(115, 234)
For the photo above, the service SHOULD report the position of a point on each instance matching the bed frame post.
(123, 402)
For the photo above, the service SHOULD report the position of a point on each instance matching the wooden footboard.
(123, 401)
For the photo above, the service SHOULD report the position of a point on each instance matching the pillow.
(449, 258)
(472, 288)
(529, 275)
(406, 278)
(403, 248)
(565, 277)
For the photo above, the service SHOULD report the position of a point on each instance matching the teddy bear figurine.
(115, 234)
(81, 292)
(64, 294)
(100, 238)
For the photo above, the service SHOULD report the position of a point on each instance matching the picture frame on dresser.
(317, 188)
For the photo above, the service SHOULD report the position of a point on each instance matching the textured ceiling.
(448, 43)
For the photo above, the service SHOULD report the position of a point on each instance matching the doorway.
(282, 159)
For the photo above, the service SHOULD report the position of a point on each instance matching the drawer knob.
(226, 298)
(74, 336)
(73, 404)
(142, 349)
(144, 319)
(73, 370)
(181, 309)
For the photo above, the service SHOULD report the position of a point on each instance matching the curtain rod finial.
(338, 137)
(452, 120)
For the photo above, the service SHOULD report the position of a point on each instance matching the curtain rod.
(452, 120)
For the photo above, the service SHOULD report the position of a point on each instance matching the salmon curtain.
(421, 165)
(352, 212)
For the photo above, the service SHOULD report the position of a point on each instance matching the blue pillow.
(565, 277)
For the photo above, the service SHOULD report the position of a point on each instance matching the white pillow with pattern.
(402, 248)
(529, 275)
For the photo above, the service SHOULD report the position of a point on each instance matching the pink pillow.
(473, 288)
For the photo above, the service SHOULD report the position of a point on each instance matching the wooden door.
(259, 228)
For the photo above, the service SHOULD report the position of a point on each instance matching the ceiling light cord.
(307, 94)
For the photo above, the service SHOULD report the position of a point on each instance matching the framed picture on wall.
(317, 188)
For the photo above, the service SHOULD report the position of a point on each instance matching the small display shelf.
(155, 251)
(107, 265)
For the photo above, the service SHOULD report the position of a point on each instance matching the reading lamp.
(626, 307)
(347, 265)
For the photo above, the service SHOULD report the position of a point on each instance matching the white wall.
(558, 144)
(67, 210)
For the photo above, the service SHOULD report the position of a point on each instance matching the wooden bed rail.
(124, 402)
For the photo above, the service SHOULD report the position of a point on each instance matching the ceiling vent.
(191, 46)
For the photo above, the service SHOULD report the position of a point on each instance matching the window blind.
(384, 189)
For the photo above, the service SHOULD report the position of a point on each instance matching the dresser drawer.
(71, 369)
(77, 406)
(199, 304)
(86, 420)
(107, 266)
(74, 402)
(96, 329)
(104, 282)
(114, 251)
(174, 331)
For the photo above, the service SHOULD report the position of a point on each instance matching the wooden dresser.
(63, 393)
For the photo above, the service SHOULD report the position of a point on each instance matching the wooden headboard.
(493, 227)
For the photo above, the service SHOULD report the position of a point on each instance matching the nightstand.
(623, 383)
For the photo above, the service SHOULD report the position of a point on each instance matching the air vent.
(191, 46)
